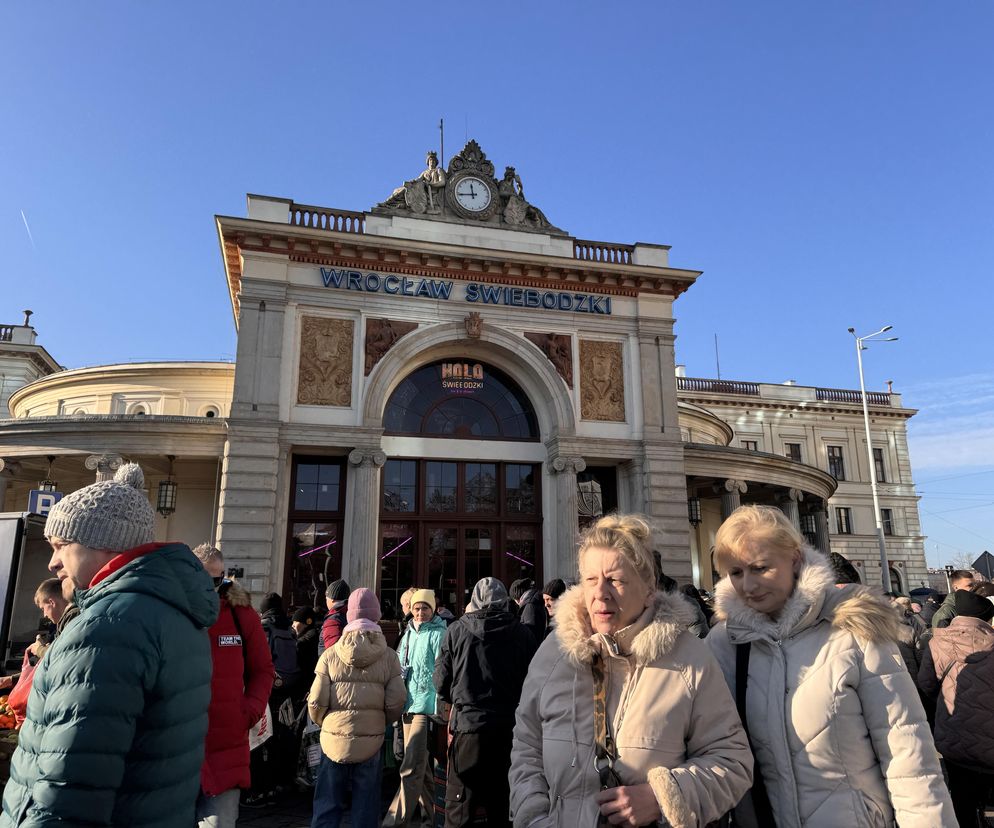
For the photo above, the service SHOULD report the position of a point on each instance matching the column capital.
(792, 495)
(367, 457)
(735, 486)
(104, 465)
(568, 465)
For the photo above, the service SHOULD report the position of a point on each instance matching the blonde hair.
(749, 525)
(630, 535)
(207, 553)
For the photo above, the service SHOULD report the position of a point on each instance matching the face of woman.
(764, 577)
(613, 592)
(422, 612)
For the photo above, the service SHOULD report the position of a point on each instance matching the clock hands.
(471, 193)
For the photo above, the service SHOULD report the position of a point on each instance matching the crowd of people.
(794, 698)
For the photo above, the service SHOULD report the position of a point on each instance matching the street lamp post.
(860, 347)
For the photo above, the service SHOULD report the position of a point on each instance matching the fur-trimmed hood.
(236, 595)
(861, 611)
(651, 636)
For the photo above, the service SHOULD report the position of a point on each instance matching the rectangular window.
(793, 451)
(440, 486)
(519, 489)
(750, 445)
(318, 487)
(400, 486)
(878, 465)
(836, 465)
(887, 521)
(843, 517)
(481, 488)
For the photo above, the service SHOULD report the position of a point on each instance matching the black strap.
(760, 799)
(605, 752)
(245, 666)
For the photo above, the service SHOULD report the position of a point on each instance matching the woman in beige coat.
(357, 689)
(836, 724)
(667, 746)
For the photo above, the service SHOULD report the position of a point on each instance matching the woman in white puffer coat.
(836, 724)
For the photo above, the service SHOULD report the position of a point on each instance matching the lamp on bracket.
(49, 485)
(694, 510)
(165, 501)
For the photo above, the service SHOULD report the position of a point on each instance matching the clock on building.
(473, 194)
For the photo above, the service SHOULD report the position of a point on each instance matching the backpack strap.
(245, 666)
(760, 799)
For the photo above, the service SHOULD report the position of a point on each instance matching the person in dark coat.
(304, 625)
(931, 606)
(480, 670)
(240, 686)
(117, 716)
(531, 607)
(336, 597)
(960, 579)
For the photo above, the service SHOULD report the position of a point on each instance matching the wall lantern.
(694, 510)
(166, 499)
(49, 485)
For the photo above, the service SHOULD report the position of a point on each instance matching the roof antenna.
(441, 132)
(717, 363)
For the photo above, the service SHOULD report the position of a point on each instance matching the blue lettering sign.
(391, 284)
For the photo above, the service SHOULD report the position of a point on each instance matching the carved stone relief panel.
(381, 336)
(559, 350)
(602, 381)
(325, 372)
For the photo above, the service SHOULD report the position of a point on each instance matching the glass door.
(457, 556)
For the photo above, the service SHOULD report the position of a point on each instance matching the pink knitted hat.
(363, 611)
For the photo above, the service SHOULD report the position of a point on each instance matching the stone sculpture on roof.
(468, 191)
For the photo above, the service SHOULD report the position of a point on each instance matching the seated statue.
(421, 194)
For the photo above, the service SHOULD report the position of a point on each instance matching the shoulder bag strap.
(245, 666)
(760, 799)
(605, 752)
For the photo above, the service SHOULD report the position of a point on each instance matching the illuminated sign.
(461, 377)
(476, 292)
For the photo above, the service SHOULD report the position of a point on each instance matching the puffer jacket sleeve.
(85, 726)
(901, 739)
(259, 671)
(442, 677)
(529, 786)
(319, 698)
(395, 692)
(718, 770)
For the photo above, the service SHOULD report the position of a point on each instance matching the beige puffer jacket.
(964, 726)
(836, 722)
(357, 689)
(674, 723)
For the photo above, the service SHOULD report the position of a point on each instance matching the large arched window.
(465, 400)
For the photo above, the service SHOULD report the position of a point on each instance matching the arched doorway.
(462, 507)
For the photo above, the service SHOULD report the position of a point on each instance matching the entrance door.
(457, 556)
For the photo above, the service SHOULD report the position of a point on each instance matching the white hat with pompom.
(113, 514)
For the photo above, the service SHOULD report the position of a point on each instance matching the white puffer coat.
(675, 725)
(836, 722)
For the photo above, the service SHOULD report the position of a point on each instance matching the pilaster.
(360, 558)
(564, 469)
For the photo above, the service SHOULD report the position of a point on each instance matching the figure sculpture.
(420, 194)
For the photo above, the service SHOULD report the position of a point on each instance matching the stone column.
(731, 492)
(360, 554)
(788, 505)
(565, 469)
(821, 531)
(104, 465)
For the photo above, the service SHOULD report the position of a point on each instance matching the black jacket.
(534, 616)
(481, 667)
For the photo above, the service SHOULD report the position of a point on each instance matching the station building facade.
(448, 386)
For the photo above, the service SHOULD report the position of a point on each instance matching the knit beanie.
(305, 615)
(555, 588)
(363, 612)
(113, 514)
(337, 591)
(273, 601)
(424, 596)
(971, 605)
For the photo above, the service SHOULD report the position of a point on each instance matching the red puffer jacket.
(243, 677)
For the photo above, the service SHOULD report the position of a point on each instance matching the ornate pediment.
(467, 192)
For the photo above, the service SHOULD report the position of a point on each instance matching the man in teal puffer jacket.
(117, 715)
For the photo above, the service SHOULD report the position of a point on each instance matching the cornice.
(814, 406)
(742, 464)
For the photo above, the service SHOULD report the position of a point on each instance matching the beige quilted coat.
(964, 724)
(357, 689)
(673, 719)
(836, 722)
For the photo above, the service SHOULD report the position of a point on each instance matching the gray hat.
(113, 514)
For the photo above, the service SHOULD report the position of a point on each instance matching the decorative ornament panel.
(381, 336)
(558, 348)
(325, 372)
(602, 381)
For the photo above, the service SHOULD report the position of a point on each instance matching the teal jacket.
(117, 716)
(418, 650)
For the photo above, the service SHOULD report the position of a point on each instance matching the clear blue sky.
(824, 164)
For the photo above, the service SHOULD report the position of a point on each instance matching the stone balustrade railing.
(327, 218)
(595, 251)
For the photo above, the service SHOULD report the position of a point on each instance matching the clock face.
(472, 194)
